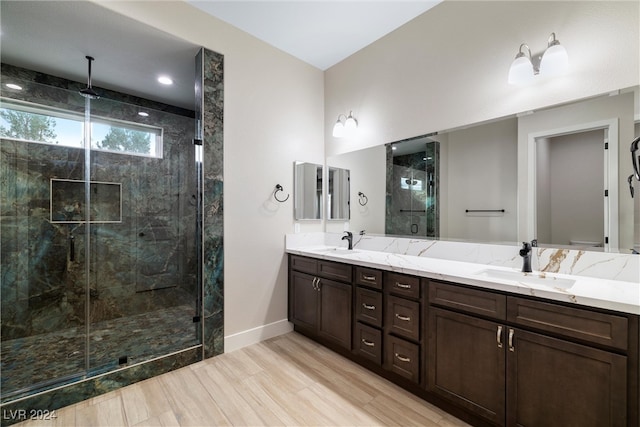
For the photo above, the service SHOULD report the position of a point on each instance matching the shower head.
(88, 92)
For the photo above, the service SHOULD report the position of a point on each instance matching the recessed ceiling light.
(143, 113)
(393, 147)
(13, 86)
(165, 80)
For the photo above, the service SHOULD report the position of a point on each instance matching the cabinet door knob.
(404, 318)
(368, 343)
(369, 307)
(403, 358)
(499, 336)
(511, 332)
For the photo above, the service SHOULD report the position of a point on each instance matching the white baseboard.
(255, 335)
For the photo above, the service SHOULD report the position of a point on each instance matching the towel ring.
(363, 199)
(275, 194)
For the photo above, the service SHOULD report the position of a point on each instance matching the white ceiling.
(321, 33)
(54, 37)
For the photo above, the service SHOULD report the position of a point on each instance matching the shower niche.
(68, 202)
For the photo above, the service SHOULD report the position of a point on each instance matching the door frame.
(610, 203)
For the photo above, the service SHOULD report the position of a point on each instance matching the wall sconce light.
(346, 128)
(554, 61)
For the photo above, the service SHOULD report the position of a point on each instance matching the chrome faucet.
(349, 237)
(525, 253)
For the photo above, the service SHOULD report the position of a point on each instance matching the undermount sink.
(536, 278)
(339, 251)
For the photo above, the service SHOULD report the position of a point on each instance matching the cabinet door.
(466, 363)
(303, 300)
(335, 312)
(552, 382)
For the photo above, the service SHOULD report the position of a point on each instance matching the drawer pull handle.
(511, 332)
(405, 318)
(370, 278)
(403, 285)
(368, 343)
(369, 307)
(403, 358)
(499, 337)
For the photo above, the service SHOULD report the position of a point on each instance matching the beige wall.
(448, 67)
(273, 115)
(479, 166)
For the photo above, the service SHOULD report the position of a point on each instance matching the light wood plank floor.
(288, 380)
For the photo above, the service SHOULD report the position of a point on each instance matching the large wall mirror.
(537, 175)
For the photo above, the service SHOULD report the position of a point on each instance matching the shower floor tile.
(51, 359)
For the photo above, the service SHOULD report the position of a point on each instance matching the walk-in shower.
(100, 210)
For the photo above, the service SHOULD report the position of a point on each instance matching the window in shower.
(41, 124)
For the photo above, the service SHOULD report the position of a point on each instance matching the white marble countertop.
(592, 292)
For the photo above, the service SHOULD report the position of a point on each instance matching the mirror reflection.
(338, 200)
(493, 182)
(412, 186)
(307, 191)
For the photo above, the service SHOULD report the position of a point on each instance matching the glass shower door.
(412, 186)
(143, 263)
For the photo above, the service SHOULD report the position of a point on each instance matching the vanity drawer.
(585, 325)
(402, 357)
(369, 277)
(369, 306)
(334, 270)
(304, 264)
(402, 284)
(403, 317)
(368, 343)
(468, 300)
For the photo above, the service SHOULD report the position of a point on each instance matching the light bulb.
(350, 125)
(521, 71)
(555, 60)
(338, 129)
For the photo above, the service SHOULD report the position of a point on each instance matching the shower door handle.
(72, 249)
(414, 228)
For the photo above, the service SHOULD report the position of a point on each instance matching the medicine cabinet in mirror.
(307, 191)
(338, 196)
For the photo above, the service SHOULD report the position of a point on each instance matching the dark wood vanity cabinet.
(320, 298)
(570, 366)
(489, 357)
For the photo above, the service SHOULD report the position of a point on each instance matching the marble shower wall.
(212, 93)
